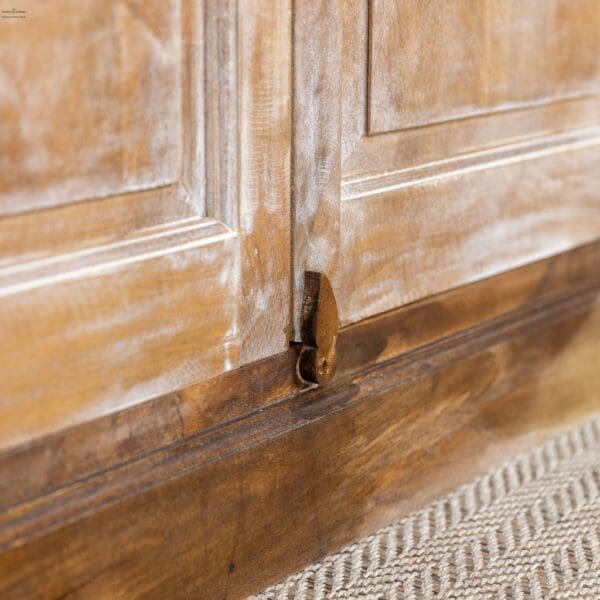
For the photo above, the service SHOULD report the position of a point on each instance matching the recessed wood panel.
(136, 291)
(90, 102)
(87, 333)
(416, 234)
(438, 61)
(468, 143)
(78, 452)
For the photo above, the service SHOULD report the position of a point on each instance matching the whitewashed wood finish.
(265, 122)
(59, 143)
(467, 180)
(148, 285)
(316, 150)
(364, 155)
(431, 63)
(86, 334)
(416, 237)
(221, 106)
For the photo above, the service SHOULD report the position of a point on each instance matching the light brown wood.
(365, 155)
(265, 98)
(430, 63)
(76, 453)
(223, 514)
(144, 272)
(86, 334)
(221, 111)
(461, 155)
(316, 150)
(406, 240)
(91, 101)
(170, 171)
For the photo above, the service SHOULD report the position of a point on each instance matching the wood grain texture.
(224, 514)
(40, 234)
(135, 293)
(459, 60)
(387, 336)
(73, 66)
(409, 239)
(454, 200)
(131, 463)
(75, 453)
(78, 452)
(220, 47)
(316, 149)
(365, 154)
(86, 334)
(265, 99)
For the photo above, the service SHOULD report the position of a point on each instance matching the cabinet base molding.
(226, 487)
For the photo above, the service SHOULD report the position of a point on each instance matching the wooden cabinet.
(438, 144)
(144, 202)
(169, 172)
(145, 188)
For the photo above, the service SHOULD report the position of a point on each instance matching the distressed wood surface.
(85, 334)
(211, 516)
(543, 282)
(132, 462)
(407, 239)
(36, 235)
(316, 157)
(91, 101)
(366, 154)
(76, 453)
(446, 184)
(462, 59)
(265, 122)
(220, 47)
(144, 273)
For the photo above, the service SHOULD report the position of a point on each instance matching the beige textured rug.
(530, 529)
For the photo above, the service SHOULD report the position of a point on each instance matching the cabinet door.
(140, 248)
(438, 143)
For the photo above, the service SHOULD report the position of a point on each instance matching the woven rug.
(529, 529)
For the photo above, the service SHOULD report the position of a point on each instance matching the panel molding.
(92, 107)
(101, 328)
(395, 217)
(504, 155)
(97, 260)
(116, 300)
(369, 154)
(358, 454)
(408, 242)
(50, 462)
(476, 55)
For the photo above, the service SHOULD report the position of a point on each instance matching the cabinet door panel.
(133, 233)
(91, 101)
(430, 63)
(460, 141)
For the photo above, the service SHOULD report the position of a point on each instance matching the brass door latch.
(319, 329)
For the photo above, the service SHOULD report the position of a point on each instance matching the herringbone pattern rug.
(530, 529)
